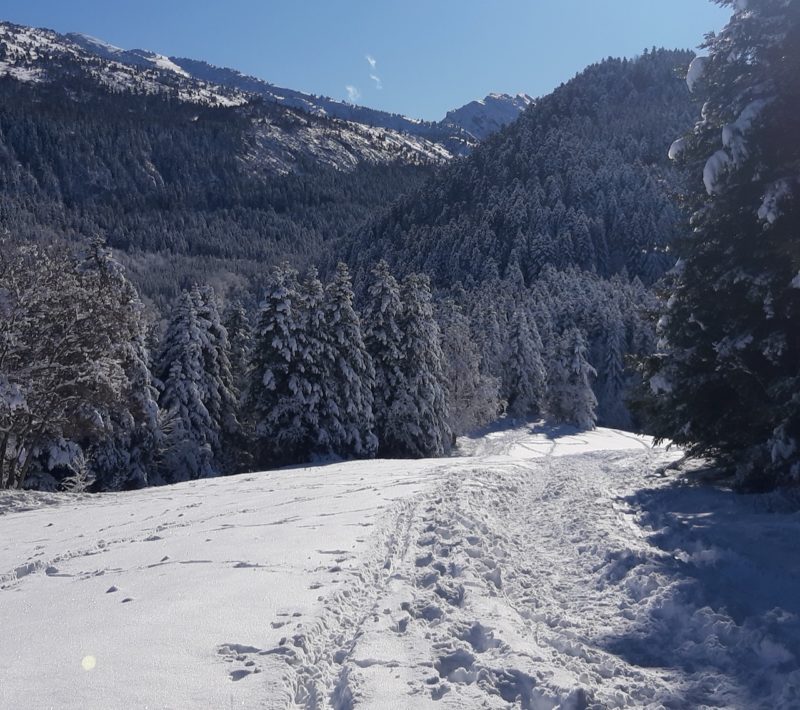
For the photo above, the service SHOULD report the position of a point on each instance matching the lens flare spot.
(88, 663)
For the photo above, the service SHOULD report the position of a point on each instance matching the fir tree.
(276, 397)
(524, 376)
(193, 433)
(315, 388)
(725, 381)
(612, 379)
(571, 399)
(473, 396)
(383, 339)
(351, 374)
(240, 336)
(417, 422)
(220, 396)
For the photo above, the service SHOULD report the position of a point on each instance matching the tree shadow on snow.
(538, 427)
(717, 593)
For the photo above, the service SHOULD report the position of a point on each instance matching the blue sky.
(427, 56)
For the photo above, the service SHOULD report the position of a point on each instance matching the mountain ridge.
(459, 129)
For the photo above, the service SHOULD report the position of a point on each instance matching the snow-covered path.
(543, 570)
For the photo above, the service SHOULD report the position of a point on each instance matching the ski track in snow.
(545, 568)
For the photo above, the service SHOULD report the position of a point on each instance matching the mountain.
(458, 132)
(486, 116)
(188, 179)
(281, 134)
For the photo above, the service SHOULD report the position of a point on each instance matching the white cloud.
(353, 94)
(373, 63)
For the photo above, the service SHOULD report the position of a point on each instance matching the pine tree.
(220, 395)
(571, 399)
(612, 378)
(192, 435)
(276, 393)
(524, 376)
(725, 382)
(383, 339)
(417, 422)
(351, 374)
(473, 396)
(240, 336)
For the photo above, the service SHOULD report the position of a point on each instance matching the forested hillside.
(581, 179)
(188, 192)
(550, 235)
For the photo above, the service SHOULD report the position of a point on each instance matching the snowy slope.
(39, 55)
(543, 569)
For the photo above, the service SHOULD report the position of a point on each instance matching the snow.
(543, 568)
(278, 149)
(770, 206)
(482, 117)
(695, 72)
(734, 134)
(659, 384)
(98, 43)
(164, 63)
(714, 169)
(27, 74)
(677, 148)
(795, 281)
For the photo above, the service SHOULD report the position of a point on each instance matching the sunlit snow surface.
(544, 568)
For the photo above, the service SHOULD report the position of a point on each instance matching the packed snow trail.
(544, 569)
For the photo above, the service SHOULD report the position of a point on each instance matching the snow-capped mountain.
(43, 56)
(40, 55)
(486, 116)
(283, 136)
(459, 131)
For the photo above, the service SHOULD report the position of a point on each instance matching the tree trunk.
(3, 449)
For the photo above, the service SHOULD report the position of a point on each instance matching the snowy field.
(542, 569)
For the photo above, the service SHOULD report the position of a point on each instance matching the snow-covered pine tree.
(473, 396)
(571, 399)
(726, 381)
(383, 339)
(489, 319)
(612, 378)
(524, 375)
(219, 392)
(417, 422)
(240, 336)
(351, 375)
(192, 434)
(320, 416)
(126, 456)
(276, 398)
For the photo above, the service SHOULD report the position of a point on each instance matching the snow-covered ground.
(542, 569)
